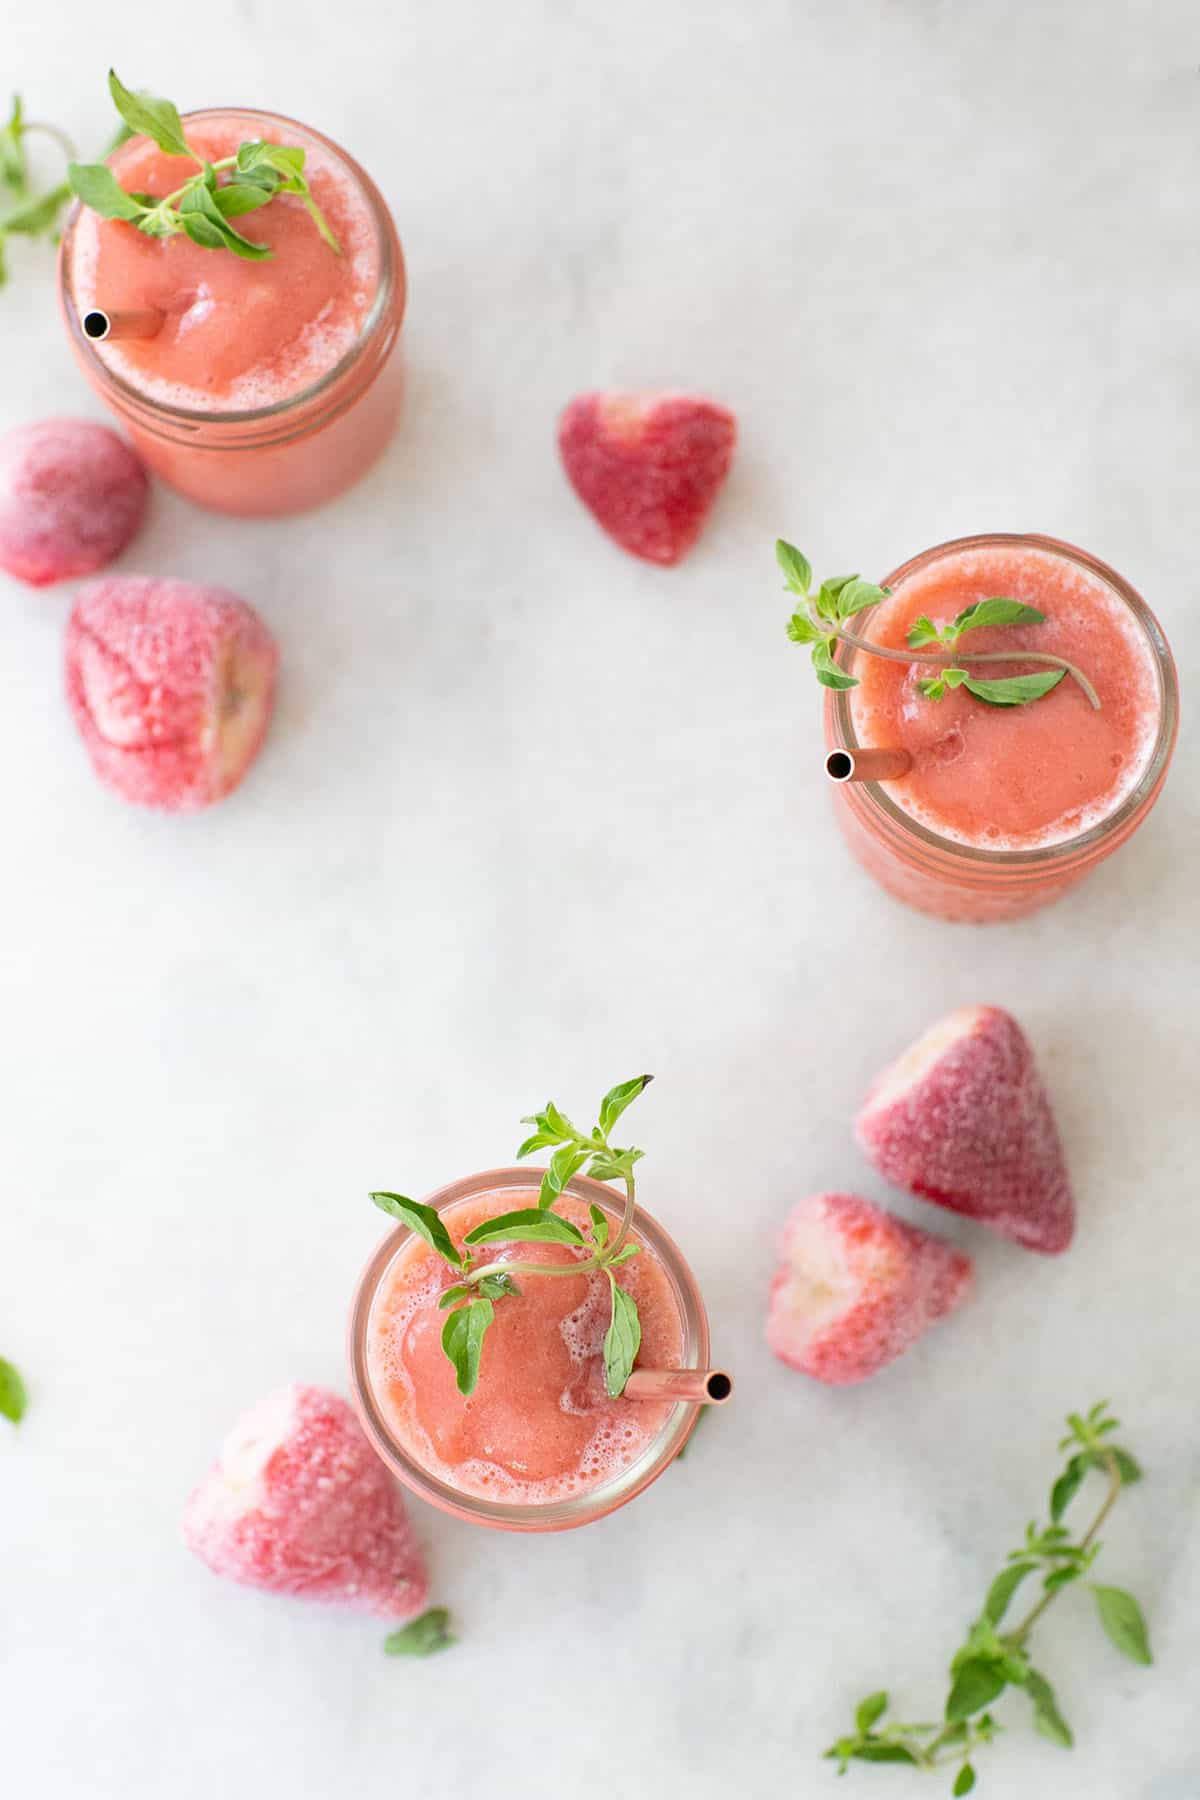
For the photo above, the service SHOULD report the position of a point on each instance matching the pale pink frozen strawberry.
(963, 1119)
(649, 466)
(298, 1503)
(171, 686)
(72, 495)
(857, 1287)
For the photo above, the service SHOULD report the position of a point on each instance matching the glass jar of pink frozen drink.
(539, 1445)
(1005, 808)
(271, 386)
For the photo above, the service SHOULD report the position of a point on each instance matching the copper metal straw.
(867, 765)
(99, 325)
(706, 1387)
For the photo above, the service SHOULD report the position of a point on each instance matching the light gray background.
(533, 816)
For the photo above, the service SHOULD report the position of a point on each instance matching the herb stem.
(60, 137)
(1022, 1631)
(626, 1220)
(947, 658)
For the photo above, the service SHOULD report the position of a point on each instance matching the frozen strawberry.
(298, 1503)
(72, 495)
(171, 686)
(962, 1118)
(649, 466)
(857, 1287)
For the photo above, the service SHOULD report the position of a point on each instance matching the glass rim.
(576, 1509)
(1123, 818)
(135, 399)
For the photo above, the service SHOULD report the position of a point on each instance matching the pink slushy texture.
(1012, 778)
(298, 1503)
(964, 1119)
(540, 1425)
(237, 333)
(648, 466)
(171, 685)
(72, 496)
(857, 1288)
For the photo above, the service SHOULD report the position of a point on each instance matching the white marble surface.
(534, 815)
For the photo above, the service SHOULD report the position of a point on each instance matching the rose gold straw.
(867, 765)
(707, 1387)
(99, 325)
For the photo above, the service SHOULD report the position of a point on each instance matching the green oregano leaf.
(565, 1163)
(828, 673)
(1014, 690)
(13, 1398)
(423, 1636)
(1046, 1717)
(1000, 1594)
(856, 595)
(996, 611)
(964, 1781)
(618, 1098)
(462, 1340)
(424, 1220)
(157, 119)
(97, 186)
(599, 1226)
(976, 1685)
(870, 1711)
(622, 1340)
(795, 566)
(1121, 1617)
(922, 631)
(528, 1225)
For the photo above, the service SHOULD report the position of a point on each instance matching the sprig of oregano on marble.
(991, 1660)
(482, 1284)
(204, 206)
(13, 1398)
(821, 621)
(29, 213)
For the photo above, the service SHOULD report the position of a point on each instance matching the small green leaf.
(200, 230)
(976, 1685)
(285, 159)
(801, 630)
(999, 1595)
(460, 1291)
(954, 677)
(1121, 1617)
(828, 673)
(528, 1225)
(1060, 1578)
(996, 612)
(795, 566)
(158, 119)
(599, 1226)
(880, 1752)
(1066, 1487)
(38, 215)
(870, 1711)
(623, 1255)
(200, 199)
(933, 687)
(922, 631)
(1015, 690)
(421, 1637)
(424, 1220)
(1128, 1466)
(13, 1398)
(97, 186)
(856, 595)
(622, 1340)
(618, 1098)
(539, 1141)
(565, 1162)
(964, 1781)
(1046, 1717)
(14, 171)
(497, 1287)
(239, 197)
(462, 1340)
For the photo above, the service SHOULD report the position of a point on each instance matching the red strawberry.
(964, 1120)
(171, 686)
(72, 495)
(649, 466)
(298, 1503)
(857, 1288)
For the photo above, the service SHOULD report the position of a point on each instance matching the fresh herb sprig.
(29, 213)
(480, 1284)
(991, 1660)
(821, 621)
(422, 1636)
(204, 206)
(13, 1397)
